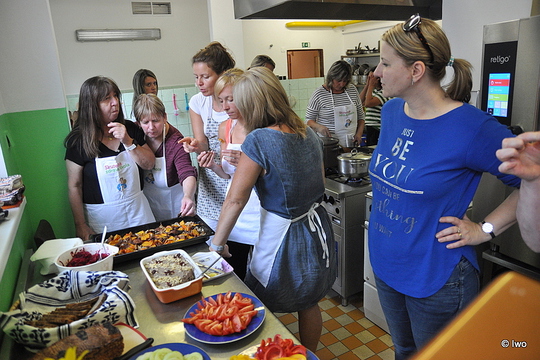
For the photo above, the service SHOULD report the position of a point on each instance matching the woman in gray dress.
(293, 264)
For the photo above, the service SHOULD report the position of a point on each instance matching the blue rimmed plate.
(181, 347)
(203, 337)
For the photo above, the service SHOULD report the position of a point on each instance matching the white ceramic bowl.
(105, 264)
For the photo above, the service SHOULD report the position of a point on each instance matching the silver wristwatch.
(217, 248)
(488, 229)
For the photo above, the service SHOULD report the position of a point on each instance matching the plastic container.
(105, 264)
(177, 292)
(219, 269)
(49, 250)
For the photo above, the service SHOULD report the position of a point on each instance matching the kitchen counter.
(162, 321)
(8, 230)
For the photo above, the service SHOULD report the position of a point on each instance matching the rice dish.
(169, 270)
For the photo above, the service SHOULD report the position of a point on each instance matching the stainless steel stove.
(344, 199)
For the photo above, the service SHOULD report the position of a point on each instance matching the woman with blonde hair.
(293, 264)
(432, 151)
(232, 134)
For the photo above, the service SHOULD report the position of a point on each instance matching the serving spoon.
(103, 251)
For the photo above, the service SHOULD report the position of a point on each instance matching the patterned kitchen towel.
(69, 287)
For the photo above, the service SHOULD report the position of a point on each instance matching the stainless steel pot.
(331, 150)
(353, 164)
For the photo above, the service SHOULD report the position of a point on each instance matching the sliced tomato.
(220, 299)
(227, 312)
(241, 301)
(201, 324)
(237, 323)
(212, 301)
(247, 308)
(245, 321)
(227, 327)
(216, 328)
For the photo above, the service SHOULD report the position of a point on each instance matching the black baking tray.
(147, 252)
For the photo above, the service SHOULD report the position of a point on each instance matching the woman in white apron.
(232, 134)
(293, 264)
(103, 156)
(206, 115)
(170, 186)
(335, 109)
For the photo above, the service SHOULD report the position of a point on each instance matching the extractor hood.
(337, 9)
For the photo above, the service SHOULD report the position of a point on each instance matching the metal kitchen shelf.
(361, 55)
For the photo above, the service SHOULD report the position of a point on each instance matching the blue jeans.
(415, 321)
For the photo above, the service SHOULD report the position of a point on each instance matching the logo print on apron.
(344, 119)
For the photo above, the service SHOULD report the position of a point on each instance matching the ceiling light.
(117, 34)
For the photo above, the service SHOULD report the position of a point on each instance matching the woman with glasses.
(335, 109)
(432, 151)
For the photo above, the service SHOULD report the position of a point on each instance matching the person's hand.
(190, 145)
(323, 130)
(118, 131)
(464, 232)
(206, 159)
(521, 156)
(225, 253)
(84, 231)
(232, 156)
(187, 207)
(358, 139)
(372, 80)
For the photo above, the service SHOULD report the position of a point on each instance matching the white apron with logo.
(345, 120)
(165, 201)
(124, 204)
(272, 233)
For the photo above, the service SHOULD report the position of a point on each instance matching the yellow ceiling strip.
(332, 24)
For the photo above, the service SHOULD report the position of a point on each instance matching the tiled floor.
(347, 334)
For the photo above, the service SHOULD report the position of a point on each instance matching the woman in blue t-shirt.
(432, 151)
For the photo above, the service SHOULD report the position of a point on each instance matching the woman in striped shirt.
(335, 108)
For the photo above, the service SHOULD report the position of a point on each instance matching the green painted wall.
(33, 146)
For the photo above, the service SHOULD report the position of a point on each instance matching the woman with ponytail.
(432, 151)
(206, 115)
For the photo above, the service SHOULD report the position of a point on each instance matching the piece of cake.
(169, 270)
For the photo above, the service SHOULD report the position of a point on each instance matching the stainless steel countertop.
(162, 321)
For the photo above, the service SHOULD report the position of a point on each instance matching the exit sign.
(305, 44)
